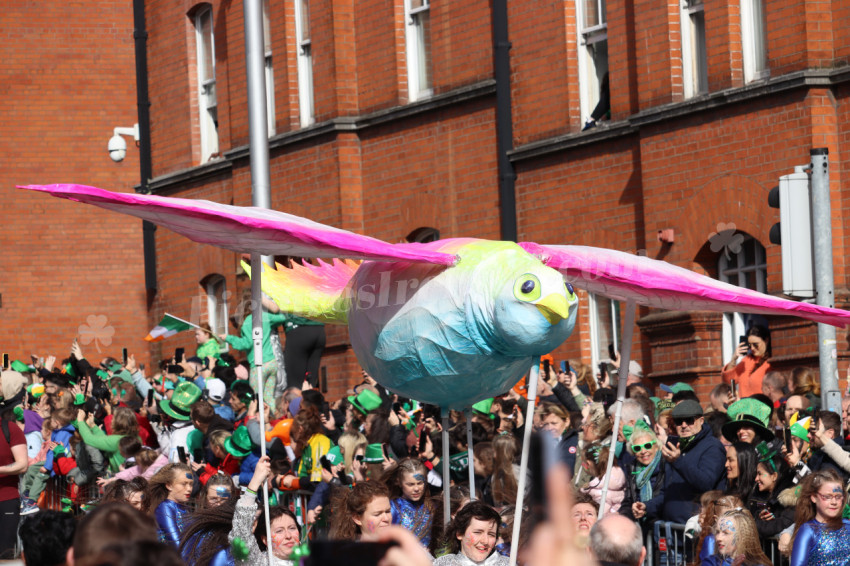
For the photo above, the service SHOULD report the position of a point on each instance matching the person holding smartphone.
(750, 363)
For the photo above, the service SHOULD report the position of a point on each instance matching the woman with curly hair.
(170, 490)
(471, 538)
(361, 512)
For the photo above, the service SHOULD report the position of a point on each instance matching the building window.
(206, 84)
(305, 62)
(592, 53)
(694, 60)
(215, 287)
(754, 40)
(604, 328)
(267, 48)
(743, 263)
(418, 19)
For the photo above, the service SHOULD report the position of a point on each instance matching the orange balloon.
(281, 431)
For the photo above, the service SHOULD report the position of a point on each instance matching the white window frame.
(207, 98)
(694, 55)
(418, 62)
(215, 287)
(304, 50)
(754, 40)
(735, 323)
(591, 39)
(610, 324)
(267, 48)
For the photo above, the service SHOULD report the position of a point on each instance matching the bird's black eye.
(569, 286)
(527, 286)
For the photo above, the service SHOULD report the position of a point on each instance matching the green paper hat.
(79, 399)
(21, 367)
(748, 413)
(179, 406)
(69, 370)
(365, 401)
(102, 374)
(483, 407)
(374, 454)
(19, 413)
(334, 456)
(35, 389)
(676, 387)
(459, 462)
(115, 367)
(124, 376)
(800, 426)
(239, 443)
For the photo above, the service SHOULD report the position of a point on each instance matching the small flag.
(168, 326)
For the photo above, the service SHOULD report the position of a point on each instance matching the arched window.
(423, 235)
(215, 287)
(742, 262)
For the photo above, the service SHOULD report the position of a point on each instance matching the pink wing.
(246, 229)
(654, 283)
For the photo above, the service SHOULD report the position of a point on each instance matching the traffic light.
(794, 232)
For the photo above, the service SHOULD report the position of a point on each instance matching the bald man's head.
(618, 540)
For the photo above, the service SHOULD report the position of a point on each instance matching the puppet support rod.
(523, 463)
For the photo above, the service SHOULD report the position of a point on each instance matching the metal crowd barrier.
(667, 545)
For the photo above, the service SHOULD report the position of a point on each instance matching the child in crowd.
(595, 462)
(411, 504)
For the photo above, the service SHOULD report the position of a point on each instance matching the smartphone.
(546, 367)
(565, 367)
(396, 407)
(733, 387)
(742, 339)
(788, 437)
(611, 351)
(124, 356)
(423, 438)
(181, 454)
(178, 355)
(5, 361)
(674, 440)
(347, 552)
(150, 397)
(175, 369)
(326, 464)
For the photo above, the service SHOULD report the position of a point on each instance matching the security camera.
(117, 148)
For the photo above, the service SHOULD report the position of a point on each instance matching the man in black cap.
(695, 462)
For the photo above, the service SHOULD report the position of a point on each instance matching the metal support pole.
(824, 283)
(625, 358)
(469, 457)
(444, 461)
(504, 121)
(260, 192)
(523, 462)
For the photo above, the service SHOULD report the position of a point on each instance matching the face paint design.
(222, 491)
(418, 477)
(189, 476)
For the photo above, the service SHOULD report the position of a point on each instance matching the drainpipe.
(140, 36)
(504, 121)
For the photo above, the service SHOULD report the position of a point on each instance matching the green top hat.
(374, 454)
(365, 401)
(239, 443)
(748, 413)
(21, 367)
(483, 407)
(185, 395)
(334, 456)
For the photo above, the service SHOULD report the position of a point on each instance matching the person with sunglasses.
(821, 535)
(750, 364)
(695, 462)
(645, 476)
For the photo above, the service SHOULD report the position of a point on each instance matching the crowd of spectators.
(167, 464)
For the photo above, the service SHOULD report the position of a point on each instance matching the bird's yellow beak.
(554, 308)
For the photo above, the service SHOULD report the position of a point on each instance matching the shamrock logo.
(96, 330)
(726, 239)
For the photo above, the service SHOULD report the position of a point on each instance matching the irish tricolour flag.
(168, 326)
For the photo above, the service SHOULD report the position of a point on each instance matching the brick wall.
(68, 79)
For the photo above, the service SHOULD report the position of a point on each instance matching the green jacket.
(96, 438)
(210, 348)
(245, 342)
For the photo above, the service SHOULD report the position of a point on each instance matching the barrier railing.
(668, 545)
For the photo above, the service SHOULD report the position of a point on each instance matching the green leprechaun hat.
(179, 406)
(239, 443)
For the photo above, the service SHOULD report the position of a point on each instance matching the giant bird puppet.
(449, 322)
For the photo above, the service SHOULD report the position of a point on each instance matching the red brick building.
(67, 79)
(383, 121)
